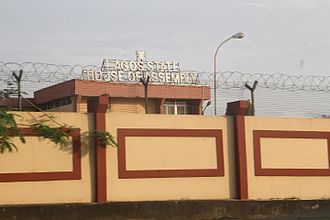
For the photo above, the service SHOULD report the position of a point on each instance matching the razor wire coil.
(54, 73)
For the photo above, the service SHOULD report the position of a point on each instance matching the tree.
(9, 127)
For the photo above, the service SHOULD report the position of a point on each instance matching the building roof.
(125, 90)
(13, 102)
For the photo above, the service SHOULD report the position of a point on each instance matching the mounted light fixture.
(239, 35)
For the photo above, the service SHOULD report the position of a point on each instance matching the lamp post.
(239, 35)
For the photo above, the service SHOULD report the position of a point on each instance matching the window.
(176, 107)
(56, 103)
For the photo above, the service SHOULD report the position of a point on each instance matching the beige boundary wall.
(288, 158)
(41, 172)
(167, 157)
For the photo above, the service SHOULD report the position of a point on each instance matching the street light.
(239, 35)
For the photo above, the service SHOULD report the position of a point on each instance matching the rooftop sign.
(131, 71)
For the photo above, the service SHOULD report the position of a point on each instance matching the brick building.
(170, 91)
(12, 104)
(72, 96)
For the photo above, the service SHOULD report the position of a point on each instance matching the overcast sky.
(287, 36)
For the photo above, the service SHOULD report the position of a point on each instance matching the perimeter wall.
(168, 157)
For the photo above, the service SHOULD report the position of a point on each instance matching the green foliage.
(8, 128)
(57, 135)
(105, 138)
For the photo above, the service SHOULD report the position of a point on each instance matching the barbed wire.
(230, 79)
(43, 72)
(54, 73)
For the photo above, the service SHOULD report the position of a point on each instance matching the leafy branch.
(8, 128)
(105, 138)
(58, 135)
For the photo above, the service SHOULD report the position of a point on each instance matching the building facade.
(135, 86)
(72, 96)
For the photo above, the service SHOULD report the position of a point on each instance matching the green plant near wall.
(8, 128)
(58, 135)
(105, 138)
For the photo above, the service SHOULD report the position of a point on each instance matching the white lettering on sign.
(181, 78)
(132, 71)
